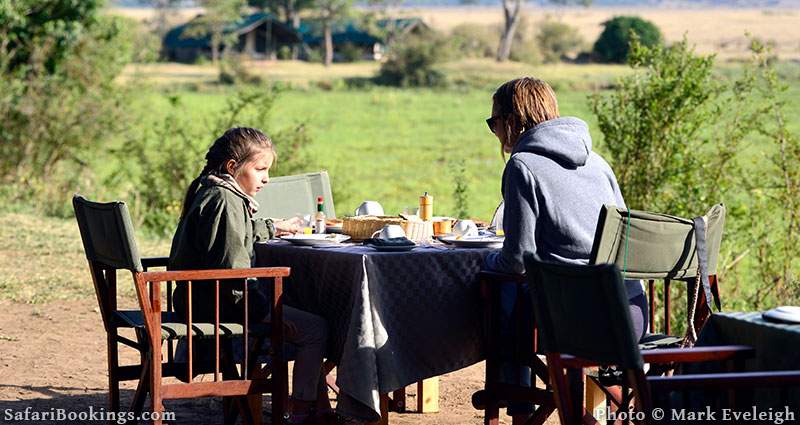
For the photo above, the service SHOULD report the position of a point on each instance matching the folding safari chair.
(288, 196)
(583, 320)
(652, 246)
(108, 241)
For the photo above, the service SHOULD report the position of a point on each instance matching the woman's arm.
(520, 213)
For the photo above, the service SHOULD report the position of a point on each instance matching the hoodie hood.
(565, 140)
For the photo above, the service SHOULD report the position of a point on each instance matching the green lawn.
(391, 145)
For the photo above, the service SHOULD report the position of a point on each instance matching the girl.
(553, 188)
(216, 230)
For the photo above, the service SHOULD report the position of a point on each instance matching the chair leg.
(142, 388)
(155, 387)
(492, 415)
(113, 366)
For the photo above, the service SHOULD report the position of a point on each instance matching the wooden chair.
(659, 247)
(496, 395)
(108, 241)
(583, 319)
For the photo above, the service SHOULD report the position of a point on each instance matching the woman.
(553, 188)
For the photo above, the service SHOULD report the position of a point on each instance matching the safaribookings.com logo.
(752, 414)
(89, 415)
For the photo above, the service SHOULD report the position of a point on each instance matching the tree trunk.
(293, 19)
(511, 10)
(215, 42)
(328, 42)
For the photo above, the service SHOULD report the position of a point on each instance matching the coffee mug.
(465, 228)
(369, 208)
(390, 231)
(442, 226)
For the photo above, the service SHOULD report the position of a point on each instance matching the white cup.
(390, 231)
(465, 228)
(369, 208)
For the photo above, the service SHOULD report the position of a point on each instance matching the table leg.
(595, 400)
(384, 419)
(428, 395)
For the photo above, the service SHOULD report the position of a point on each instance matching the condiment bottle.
(319, 219)
(426, 207)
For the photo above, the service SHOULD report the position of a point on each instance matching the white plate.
(786, 314)
(315, 239)
(474, 241)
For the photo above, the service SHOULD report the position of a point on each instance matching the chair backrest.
(287, 196)
(107, 234)
(583, 311)
(659, 246)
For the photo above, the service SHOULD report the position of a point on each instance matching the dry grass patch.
(42, 260)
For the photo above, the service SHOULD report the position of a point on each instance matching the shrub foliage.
(614, 43)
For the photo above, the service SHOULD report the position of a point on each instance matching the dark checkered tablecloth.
(394, 318)
(777, 347)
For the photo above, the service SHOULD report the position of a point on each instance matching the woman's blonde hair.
(524, 103)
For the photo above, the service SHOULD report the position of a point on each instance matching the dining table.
(776, 345)
(394, 318)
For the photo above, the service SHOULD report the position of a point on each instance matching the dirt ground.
(53, 356)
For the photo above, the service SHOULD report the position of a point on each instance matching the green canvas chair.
(107, 235)
(654, 247)
(584, 321)
(288, 196)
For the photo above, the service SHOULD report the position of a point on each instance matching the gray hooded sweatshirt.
(553, 189)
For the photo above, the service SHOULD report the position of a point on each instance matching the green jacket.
(217, 232)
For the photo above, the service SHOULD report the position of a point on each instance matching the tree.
(287, 10)
(59, 102)
(614, 42)
(329, 12)
(218, 14)
(511, 15)
(163, 9)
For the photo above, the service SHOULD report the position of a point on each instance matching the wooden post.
(595, 399)
(428, 395)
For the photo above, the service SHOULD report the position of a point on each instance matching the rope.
(627, 237)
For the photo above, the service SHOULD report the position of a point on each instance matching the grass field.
(390, 144)
(378, 143)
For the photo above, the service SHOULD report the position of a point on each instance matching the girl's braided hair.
(240, 144)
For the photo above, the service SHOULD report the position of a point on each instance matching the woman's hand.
(288, 227)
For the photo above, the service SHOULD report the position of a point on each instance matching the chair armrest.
(500, 277)
(726, 380)
(215, 274)
(697, 354)
(675, 355)
(150, 262)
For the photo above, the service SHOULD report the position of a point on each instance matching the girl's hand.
(288, 227)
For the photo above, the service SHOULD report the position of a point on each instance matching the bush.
(613, 45)
(473, 41)
(171, 154)
(59, 103)
(677, 135)
(525, 48)
(557, 40)
(349, 52)
(411, 63)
